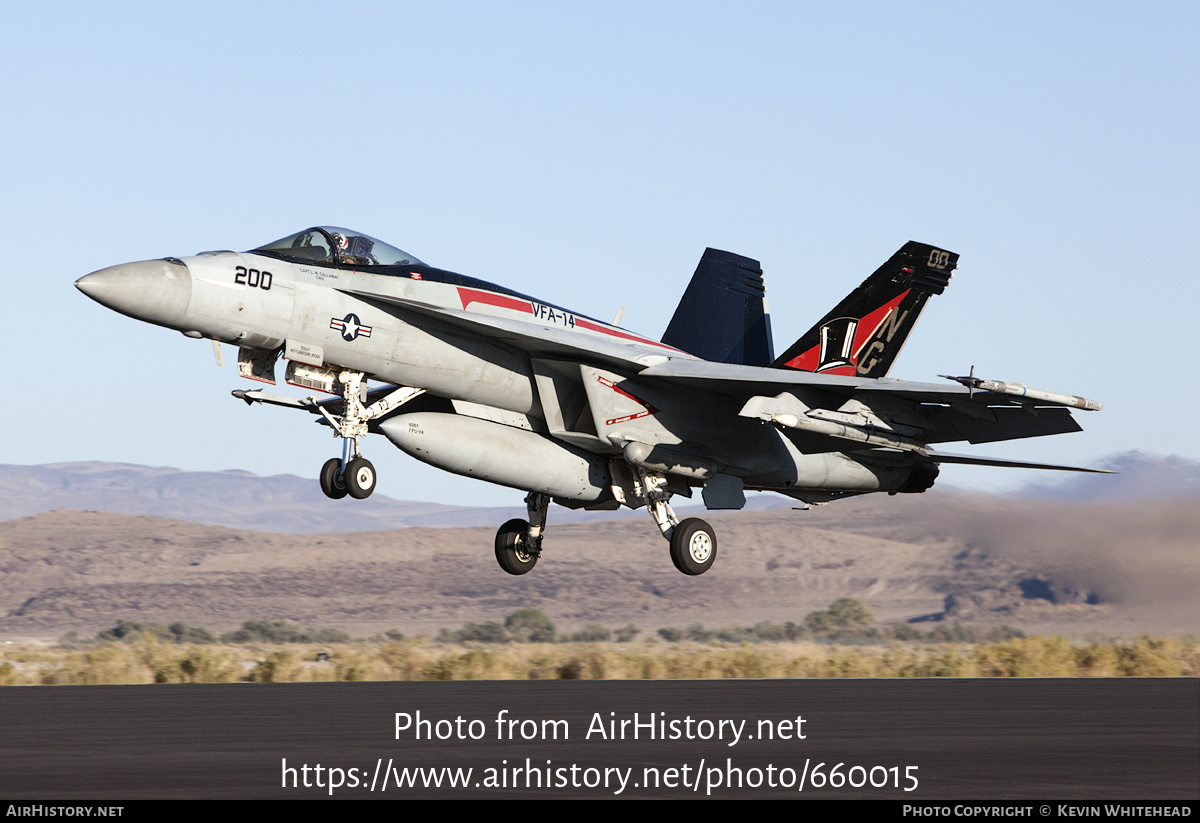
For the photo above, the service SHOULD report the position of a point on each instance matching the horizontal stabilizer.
(971, 460)
(723, 314)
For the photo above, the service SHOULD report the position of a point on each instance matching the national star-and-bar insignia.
(350, 327)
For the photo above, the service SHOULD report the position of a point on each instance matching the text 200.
(252, 277)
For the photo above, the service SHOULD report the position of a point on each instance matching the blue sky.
(588, 155)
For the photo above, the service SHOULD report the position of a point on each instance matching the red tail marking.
(867, 327)
(870, 324)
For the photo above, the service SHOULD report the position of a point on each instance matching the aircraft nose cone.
(157, 291)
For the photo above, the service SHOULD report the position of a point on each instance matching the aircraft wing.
(737, 379)
(609, 347)
(947, 413)
(942, 413)
(755, 379)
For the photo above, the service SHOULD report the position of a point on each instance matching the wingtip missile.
(1023, 391)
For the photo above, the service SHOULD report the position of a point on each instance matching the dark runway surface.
(1031, 739)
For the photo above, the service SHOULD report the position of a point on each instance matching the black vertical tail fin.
(723, 314)
(865, 332)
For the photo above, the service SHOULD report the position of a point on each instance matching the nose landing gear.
(360, 478)
(332, 482)
(352, 473)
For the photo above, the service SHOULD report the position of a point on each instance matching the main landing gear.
(519, 542)
(693, 541)
(352, 474)
(693, 546)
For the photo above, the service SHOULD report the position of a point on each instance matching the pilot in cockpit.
(354, 250)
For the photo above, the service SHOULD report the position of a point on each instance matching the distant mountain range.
(282, 503)
(291, 504)
(1059, 564)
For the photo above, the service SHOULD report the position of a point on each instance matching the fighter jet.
(489, 383)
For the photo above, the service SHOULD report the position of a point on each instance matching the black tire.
(693, 546)
(332, 482)
(360, 478)
(512, 551)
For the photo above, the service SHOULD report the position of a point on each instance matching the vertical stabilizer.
(723, 314)
(863, 335)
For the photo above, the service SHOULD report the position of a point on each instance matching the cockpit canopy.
(333, 245)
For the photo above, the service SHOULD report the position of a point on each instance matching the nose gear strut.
(354, 474)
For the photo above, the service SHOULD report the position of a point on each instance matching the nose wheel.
(353, 474)
(359, 477)
(356, 480)
(333, 483)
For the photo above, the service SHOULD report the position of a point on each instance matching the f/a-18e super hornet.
(488, 383)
